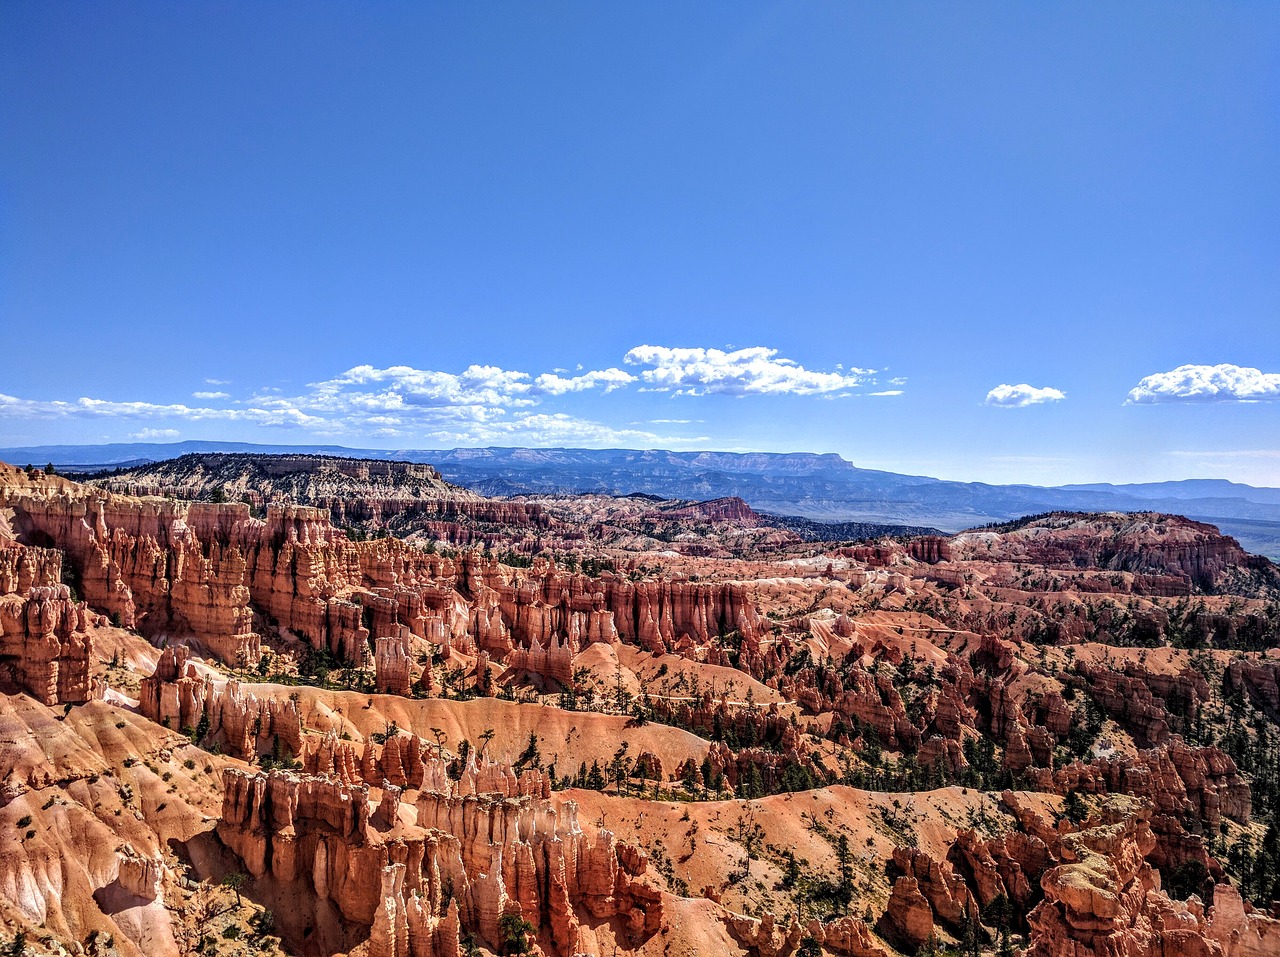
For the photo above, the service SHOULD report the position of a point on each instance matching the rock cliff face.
(177, 696)
(945, 892)
(1259, 679)
(43, 638)
(1094, 901)
(465, 861)
(908, 919)
(1144, 543)
(393, 665)
(200, 569)
(1185, 785)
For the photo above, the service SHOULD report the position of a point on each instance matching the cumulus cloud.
(607, 379)
(398, 387)
(1203, 383)
(481, 404)
(752, 371)
(1019, 396)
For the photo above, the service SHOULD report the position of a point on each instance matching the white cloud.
(750, 371)
(149, 434)
(481, 404)
(401, 386)
(13, 407)
(887, 392)
(217, 382)
(1202, 383)
(1020, 396)
(609, 379)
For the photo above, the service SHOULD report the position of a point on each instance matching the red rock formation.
(1007, 866)
(44, 644)
(930, 549)
(947, 894)
(1094, 901)
(1144, 542)
(764, 935)
(1259, 678)
(499, 848)
(178, 696)
(908, 918)
(554, 661)
(393, 665)
(1237, 931)
(1104, 901)
(848, 936)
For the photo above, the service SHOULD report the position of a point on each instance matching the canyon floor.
(320, 706)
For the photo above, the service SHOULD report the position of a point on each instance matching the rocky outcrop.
(393, 665)
(1103, 900)
(179, 697)
(848, 936)
(1139, 699)
(44, 644)
(1186, 785)
(1008, 866)
(1240, 931)
(1259, 678)
(947, 894)
(501, 848)
(554, 660)
(139, 875)
(1095, 900)
(908, 918)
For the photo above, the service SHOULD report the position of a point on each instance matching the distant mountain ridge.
(818, 486)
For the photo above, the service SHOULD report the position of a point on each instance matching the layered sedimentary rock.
(553, 660)
(393, 665)
(43, 638)
(178, 696)
(162, 565)
(1187, 784)
(947, 894)
(43, 642)
(908, 919)
(1142, 542)
(487, 845)
(1259, 679)
(1103, 900)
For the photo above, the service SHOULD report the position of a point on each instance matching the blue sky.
(1024, 242)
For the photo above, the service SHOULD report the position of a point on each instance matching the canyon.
(322, 706)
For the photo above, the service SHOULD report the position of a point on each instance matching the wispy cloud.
(887, 392)
(1022, 395)
(1204, 383)
(752, 371)
(151, 435)
(217, 382)
(13, 407)
(210, 395)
